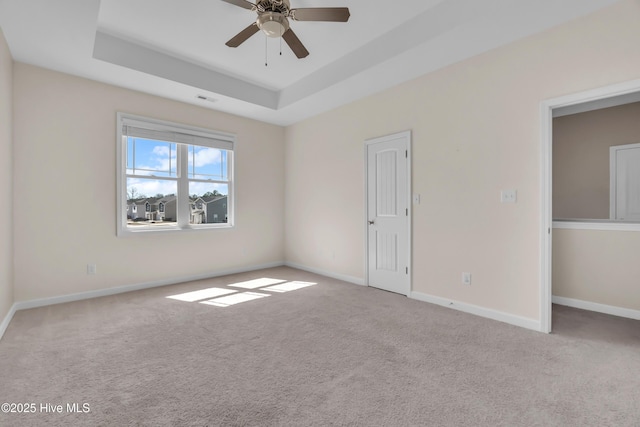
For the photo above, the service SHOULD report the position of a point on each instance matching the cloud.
(205, 156)
(162, 151)
(161, 159)
(151, 187)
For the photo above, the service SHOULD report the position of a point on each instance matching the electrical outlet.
(509, 196)
(91, 269)
(466, 278)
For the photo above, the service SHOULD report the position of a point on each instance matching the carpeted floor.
(325, 354)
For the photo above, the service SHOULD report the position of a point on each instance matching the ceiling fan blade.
(242, 3)
(334, 14)
(243, 35)
(295, 44)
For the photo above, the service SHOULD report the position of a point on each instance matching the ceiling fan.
(273, 20)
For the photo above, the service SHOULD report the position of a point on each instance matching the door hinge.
(406, 211)
(406, 269)
(406, 154)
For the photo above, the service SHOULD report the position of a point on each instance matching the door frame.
(408, 137)
(602, 94)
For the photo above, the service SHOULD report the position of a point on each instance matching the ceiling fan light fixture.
(273, 24)
(273, 20)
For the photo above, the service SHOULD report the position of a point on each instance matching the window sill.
(171, 230)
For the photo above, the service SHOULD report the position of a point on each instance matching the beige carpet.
(320, 355)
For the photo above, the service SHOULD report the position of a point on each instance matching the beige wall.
(597, 266)
(65, 195)
(581, 158)
(6, 161)
(476, 130)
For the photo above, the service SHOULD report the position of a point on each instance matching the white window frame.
(183, 136)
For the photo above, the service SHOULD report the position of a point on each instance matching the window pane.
(207, 163)
(151, 202)
(151, 158)
(208, 203)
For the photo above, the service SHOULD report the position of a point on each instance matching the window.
(172, 171)
(624, 193)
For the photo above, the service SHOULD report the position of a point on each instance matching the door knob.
(371, 222)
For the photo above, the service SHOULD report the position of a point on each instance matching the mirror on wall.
(596, 165)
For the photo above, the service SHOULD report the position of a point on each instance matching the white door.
(625, 182)
(388, 188)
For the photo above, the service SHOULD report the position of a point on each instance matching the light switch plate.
(466, 278)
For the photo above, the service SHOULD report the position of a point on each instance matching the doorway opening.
(610, 96)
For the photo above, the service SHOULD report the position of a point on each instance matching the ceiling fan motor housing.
(280, 6)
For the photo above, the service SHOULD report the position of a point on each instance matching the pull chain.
(280, 41)
(265, 51)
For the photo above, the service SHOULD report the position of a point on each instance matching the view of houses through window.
(173, 184)
(208, 208)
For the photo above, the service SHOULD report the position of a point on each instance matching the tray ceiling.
(177, 49)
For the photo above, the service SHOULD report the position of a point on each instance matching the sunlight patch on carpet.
(256, 283)
(234, 299)
(224, 297)
(202, 294)
(289, 286)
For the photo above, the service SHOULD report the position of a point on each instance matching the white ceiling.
(176, 48)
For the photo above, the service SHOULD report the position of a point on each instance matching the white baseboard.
(500, 316)
(7, 319)
(600, 308)
(24, 305)
(343, 277)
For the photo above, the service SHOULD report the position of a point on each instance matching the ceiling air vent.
(206, 98)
